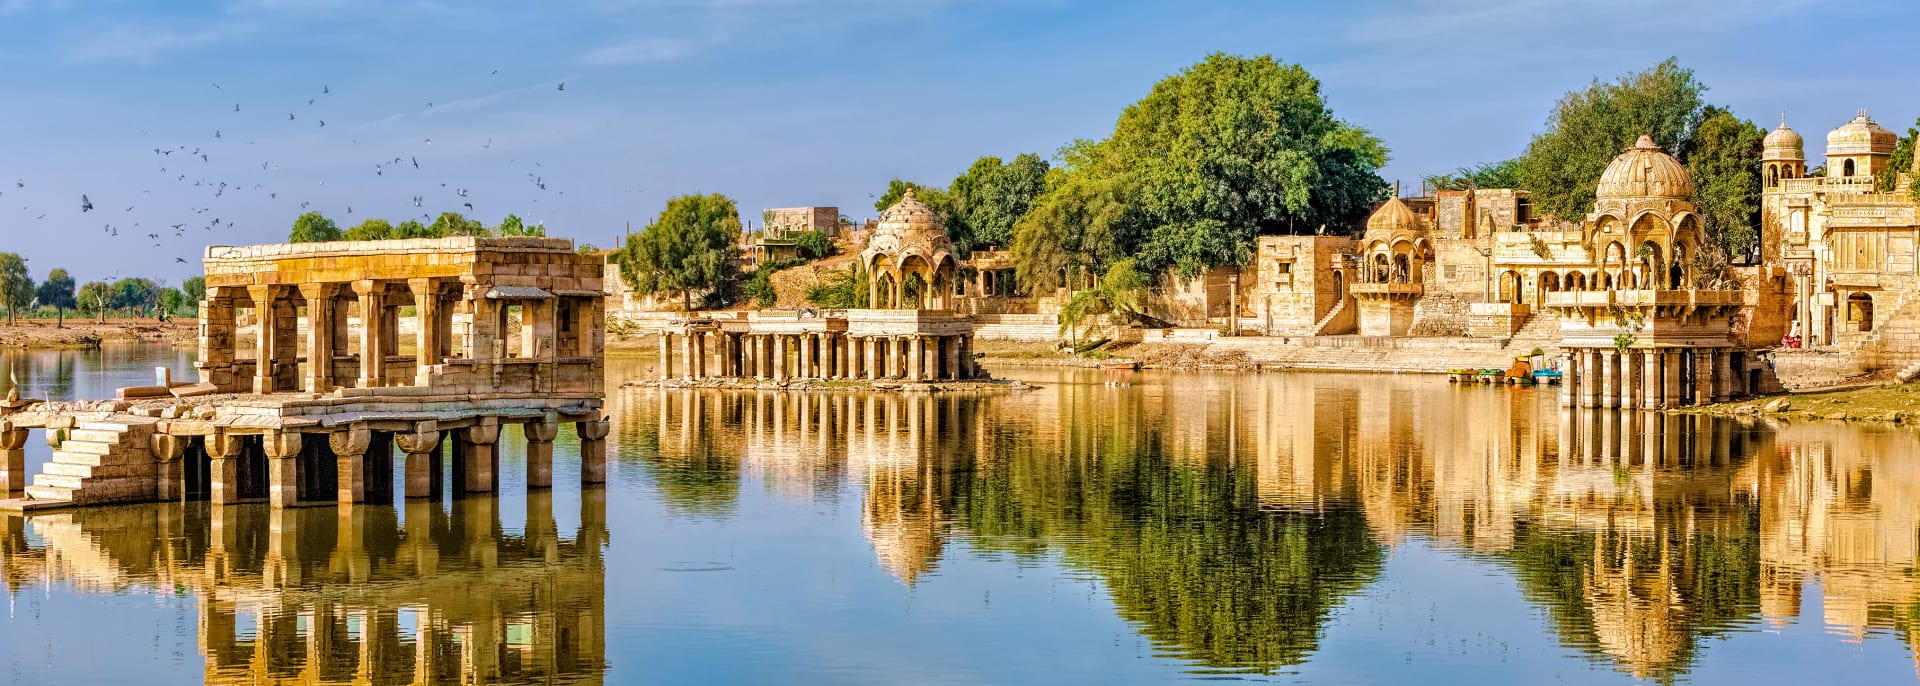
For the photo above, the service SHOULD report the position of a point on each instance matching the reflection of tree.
(695, 472)
(1185, 551)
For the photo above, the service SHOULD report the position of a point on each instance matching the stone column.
(482, 456)
(1598, 388)
(167, 451)
(283, 467)
(263, 342)
(666, 354)
(373, 358)
(540, 435)
(422, 449)
(217, 340)
(1703, 375)
(779, 355)
(805, 367)
(1670, 397)
(593, 450)
(350, 457)
(13, 459)
(319, 349)
(917, 358)
(691, 351)
(830, 355)
(1630, 379)
(1650, 382)
(426, 307)
(1609, 378)
(953, 357)
(769, 347)
(223, 469)
(1570, 373)
(867, 357)
(968, 370)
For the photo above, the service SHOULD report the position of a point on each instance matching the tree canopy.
(371, 230)
(990, 197)
(1587, 128)
(134, 293)
(455, 224)
(1502, 174)
(57, 292)
(1723, 160)
(96, 297)
(691, 247)
(16, 284)
(1227, 149)
(313, 227)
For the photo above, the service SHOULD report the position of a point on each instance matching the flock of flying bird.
(181, 171)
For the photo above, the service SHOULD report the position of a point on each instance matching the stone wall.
(1439, 314)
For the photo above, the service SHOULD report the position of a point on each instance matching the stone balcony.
(1395, 291)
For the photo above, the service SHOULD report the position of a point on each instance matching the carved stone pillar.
(283, 467)
(1651, 385)
(223, 467)
(350, 455)
(264, 344)
(1722, 375)
(805, 343)
(916, 358)
(1671, 396)
(666, 355)
(422, 449)
(540, 435)
(1703, 375)
(167, 451)
(481, 456)
(1609, 378)
(426, 307)
(13, 459)
(319, 348)
(593, 450)
(373, 347)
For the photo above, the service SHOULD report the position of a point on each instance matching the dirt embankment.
(1896, 403)
(1182, 356)
(38, 334)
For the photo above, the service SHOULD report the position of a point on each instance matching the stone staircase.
(1320, 327)
(1896, 342)
(1542, 330)
(100, 462)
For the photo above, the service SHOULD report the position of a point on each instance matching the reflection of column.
(481, 456)
(540, 435)
(422, 449)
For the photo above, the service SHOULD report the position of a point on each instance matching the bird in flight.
(289, 116)
(181, 260)
(85, 204)
(496, 72)
(218, 88)
(416, 162)
(236, 107)
(324, 91)
(563, 86)
(323, 122)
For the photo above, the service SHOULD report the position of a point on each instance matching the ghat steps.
(99, 462)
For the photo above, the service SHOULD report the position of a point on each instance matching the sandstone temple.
(322, 365)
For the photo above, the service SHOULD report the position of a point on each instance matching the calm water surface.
(1289, 528)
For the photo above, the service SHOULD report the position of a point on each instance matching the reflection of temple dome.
(1645, 171)
(909, 227)
(1862, 136)
(1393, 217)
(1783, 144)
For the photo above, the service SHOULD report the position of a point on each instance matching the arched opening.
(1676, 276)
(1380, 268)
(1860, 312)
(1509, 287)
(1773, 175)
(1402, 268)
(1339, 283)
(1576, 281)
(1549, 282)
(883, 290)
(1648, 264)
(1846, 168)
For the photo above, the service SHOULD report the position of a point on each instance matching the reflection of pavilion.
(355, 595)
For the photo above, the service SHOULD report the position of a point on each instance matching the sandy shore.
(78, 333)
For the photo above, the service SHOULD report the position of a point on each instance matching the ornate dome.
(1393, 217)
(1783, 144)
(1645, 171)
(909, 227)
(1861, 137)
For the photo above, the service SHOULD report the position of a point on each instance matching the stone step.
(96, 435)
(96, 472)
(87, 447)
(64, 456)
(112, 426)
(55, 493)
(61, 480)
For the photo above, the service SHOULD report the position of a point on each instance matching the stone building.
(777, 238)
(289, 417)
(910, 331)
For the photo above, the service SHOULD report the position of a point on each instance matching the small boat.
(1120, 364)
(1461, 375)
(1491, 375)
(1550, 377)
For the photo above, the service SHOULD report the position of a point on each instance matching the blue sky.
(777, 102)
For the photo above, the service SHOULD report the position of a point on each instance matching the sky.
(777, 103)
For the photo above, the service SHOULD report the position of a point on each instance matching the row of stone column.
(476, 449)
(817, 355)
(1648, 379)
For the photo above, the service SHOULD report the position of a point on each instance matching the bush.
(813, 245)
(759, 288)
(841, 290)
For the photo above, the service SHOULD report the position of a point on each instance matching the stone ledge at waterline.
(884, 385)
(1894, 403)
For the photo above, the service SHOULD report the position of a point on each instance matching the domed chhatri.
(1861, 136)
(1783, 144)
(1393, 217)
(910, 259)
(1643, 170)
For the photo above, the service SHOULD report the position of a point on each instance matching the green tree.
(1902, 161)
(172, 301)
(1502, 174)
(195, 287)
(411, 228)
(135, 294)
(991, 197)
(896, 189)
(1119, 291)
(692, 246)
(313, 227)
(1724, 161)
(1588, 128)
(843, 289)
(813, 245)
(512, 225)
(95, 298)
(57, 292)
(1087, 218)
(16, 285)
(371, 230)
(455, 224)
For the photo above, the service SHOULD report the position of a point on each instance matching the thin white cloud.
(640, 51)
(147, 43)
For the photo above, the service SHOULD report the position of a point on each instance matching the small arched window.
(1846, 168)
(1773, 176)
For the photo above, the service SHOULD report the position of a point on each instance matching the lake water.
(1293, 528)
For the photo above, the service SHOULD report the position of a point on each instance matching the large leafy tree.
(313, 227)
(172, 301)
(95, 298)
(1502, 174)
(16, 285)
(195, 289)
(134, 293)
(1724, 160)
(371, 230)
(57, 292)
(455, 224)
(990, 197)
(512, 225)
(1902, 162)
(411, 228)
(935, 198)
(691, 247)
(1086, 219)
(1588, 128)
